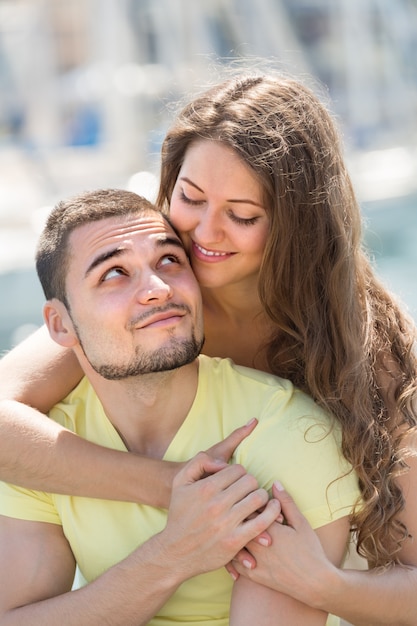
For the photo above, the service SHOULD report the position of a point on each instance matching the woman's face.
(216, 205)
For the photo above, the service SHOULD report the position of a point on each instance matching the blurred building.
(82, 73)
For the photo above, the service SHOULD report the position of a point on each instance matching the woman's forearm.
(371, 598)
(295, 563)
(38, 372)
(386, 597)
(37, 453)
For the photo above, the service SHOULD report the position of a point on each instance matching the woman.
(254, 179)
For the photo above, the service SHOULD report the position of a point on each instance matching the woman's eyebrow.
(236, 200)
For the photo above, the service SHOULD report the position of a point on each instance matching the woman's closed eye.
(243, 221)
(188, 200)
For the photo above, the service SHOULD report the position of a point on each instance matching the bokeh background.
(86, 95)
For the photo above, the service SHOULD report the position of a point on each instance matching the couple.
(122, 295)
(255, 182)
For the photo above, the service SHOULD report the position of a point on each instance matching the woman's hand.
(285, 564)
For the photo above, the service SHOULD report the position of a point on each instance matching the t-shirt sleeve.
(28, 505)
(296, 443)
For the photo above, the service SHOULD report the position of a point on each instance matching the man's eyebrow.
(236, 200)
(170, 241)
(102, 258)
(115, 252)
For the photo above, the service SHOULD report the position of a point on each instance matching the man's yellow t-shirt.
(295, 442)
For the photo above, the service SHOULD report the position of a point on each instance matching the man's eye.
(115, 271)
(169, 259)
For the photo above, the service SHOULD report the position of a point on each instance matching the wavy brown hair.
(339, 335)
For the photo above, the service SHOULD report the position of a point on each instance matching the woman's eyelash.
(244, 221)
(184, 198)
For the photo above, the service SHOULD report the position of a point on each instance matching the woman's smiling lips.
(209, 256)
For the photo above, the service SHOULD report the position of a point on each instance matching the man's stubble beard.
(162, 360)
(180, 352)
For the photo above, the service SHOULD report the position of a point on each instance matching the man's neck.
(148, 410)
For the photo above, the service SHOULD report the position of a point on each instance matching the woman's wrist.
(152, 482)
(325, 587)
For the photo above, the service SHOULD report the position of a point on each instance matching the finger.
(264, 539)
(224, 449)
(232, 571)
(292, 514)
(215, 477)
(201, 465)
(253, 527)
(245, 558)
(232, 490)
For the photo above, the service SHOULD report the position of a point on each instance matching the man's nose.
(153, 287)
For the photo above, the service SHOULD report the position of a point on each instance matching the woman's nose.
(208, 229)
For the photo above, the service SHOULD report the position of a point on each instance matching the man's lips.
(160, 318)
(211, 256)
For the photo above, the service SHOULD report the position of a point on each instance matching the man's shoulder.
(227, 369)
(221, 378)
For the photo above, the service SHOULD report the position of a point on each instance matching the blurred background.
(87, 87)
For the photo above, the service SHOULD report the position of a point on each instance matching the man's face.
(135, 305)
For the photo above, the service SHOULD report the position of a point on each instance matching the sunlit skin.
(135, 292)
(131, 290)
(217, 206)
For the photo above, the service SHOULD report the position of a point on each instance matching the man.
(122, 295)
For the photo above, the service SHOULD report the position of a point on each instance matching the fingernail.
(263, 541)
(234, 575)
(251, 421)
(247, 564)
(278, 485)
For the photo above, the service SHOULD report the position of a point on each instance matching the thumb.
(292, 514)
(224, 449)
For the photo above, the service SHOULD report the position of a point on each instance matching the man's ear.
(59, 323)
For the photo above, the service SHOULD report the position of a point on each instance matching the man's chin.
(162, 360)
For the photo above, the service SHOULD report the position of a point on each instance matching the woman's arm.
(37, 453)
(258, 604)
(296, 564)
(38, 372)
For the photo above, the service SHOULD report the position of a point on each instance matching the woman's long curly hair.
(340, 335)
